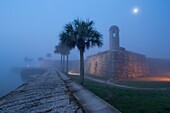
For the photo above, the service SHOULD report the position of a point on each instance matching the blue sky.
(31, 27)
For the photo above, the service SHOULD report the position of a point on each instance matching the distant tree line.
(29, 61)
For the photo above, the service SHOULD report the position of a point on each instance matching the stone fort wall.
(119, 64)
(159, 67)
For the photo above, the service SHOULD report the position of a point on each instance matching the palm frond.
(81, 34)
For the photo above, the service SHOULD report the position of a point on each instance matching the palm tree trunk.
(67, 65)
(81, 67)
(63, 63)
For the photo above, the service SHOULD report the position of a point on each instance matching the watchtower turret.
(114, 38)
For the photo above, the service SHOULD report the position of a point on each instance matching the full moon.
(135, 10)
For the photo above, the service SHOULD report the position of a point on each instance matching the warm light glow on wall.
(164, 79)
(73, 73)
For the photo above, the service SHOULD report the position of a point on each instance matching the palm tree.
(63, 50)
(40, 59)
(48, 56)
(81, 34)
(58, 50)
(66, 52)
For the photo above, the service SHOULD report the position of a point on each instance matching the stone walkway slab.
(45, 93)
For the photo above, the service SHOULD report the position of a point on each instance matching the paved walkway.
(46, 93)
(89, 102)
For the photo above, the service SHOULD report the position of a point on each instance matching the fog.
(31, 27)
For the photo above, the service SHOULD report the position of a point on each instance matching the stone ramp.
(45, 93)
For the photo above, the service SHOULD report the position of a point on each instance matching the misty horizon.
(31, 28)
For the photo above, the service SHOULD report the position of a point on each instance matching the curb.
(89, 101)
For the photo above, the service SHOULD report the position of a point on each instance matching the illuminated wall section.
(120, 64)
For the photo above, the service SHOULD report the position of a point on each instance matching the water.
(8, 81)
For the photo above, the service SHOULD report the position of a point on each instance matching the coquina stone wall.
(159, 67)
(101, 64)
(119, 64)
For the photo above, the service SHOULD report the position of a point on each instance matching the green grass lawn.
(131, 101)
(139, 83)
(144, 84)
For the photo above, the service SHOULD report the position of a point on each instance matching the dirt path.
(127, 87)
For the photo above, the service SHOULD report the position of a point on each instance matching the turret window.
(114, 34)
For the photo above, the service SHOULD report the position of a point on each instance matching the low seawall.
(29, 73)
(33, 71)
